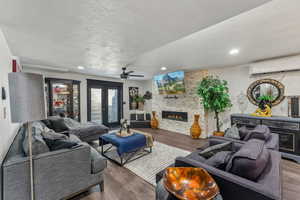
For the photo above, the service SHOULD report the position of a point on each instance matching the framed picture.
(133, 92)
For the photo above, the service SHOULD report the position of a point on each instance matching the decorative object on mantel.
(264, 107)
(195, 130)
(189, 183)
(124, 129)
(171, 97)
(154, 121)
(266, 87)
(214, 94)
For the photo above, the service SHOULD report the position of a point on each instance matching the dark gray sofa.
(87, 132)
(271, 143)
(57, 174)
(233, 187)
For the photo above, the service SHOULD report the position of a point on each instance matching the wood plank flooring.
(122, 184)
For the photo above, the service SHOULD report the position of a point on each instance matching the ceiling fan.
(126, 74)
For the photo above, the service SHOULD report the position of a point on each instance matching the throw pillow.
(38, 144)
(250, 160)
(58, 144)
(59, 125)
(219, 160)
(243, 132)
(212, 150)
(140, 117)
(48, 123)
(261, 132)
(232, 132)
(50, 134)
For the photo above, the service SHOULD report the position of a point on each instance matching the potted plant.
(214, 97)
(140, 101)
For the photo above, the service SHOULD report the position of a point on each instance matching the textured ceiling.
(103, 35)
(271, 30)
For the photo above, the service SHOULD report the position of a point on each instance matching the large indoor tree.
(214, 94)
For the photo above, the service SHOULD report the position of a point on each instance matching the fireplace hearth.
(177, 116)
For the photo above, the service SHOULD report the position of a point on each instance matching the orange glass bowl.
(188, 183)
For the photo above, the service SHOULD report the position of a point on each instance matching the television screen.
(171, 83)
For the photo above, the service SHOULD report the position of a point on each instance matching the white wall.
(143, 86)
(8, 130)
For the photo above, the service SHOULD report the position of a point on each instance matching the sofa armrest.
(273, 142)
(231, 186)
(68, 168)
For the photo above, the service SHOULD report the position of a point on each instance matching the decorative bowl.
(187, 183)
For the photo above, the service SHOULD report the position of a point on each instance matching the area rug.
(161, 157)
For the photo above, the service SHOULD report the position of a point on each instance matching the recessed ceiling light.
(234, 51)
(80, 67)
(163, 68)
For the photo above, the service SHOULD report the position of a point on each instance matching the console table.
(288, 129)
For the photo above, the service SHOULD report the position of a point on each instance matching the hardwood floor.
(122, 184)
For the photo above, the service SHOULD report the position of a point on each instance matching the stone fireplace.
(177, 116)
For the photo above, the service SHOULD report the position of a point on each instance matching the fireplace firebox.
(178, 116)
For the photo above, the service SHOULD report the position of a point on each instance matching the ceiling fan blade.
(135, 75)
(129, 72)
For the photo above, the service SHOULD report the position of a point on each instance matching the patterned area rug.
(148, 166)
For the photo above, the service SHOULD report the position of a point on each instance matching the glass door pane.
(113, 108)
(96, 105)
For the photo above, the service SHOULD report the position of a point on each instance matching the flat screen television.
(170, 83)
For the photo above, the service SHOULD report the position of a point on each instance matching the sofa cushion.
(99, 163)
(38, 144)
(250, 160)
(232, 132)
(58, 144)
(196, 156)
(58, 125)
(243, 132)
(212, 150)
(219, 160)
(261, 132)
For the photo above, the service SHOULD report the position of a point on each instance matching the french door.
(105, 102)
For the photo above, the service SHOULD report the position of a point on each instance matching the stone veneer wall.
(188, 102)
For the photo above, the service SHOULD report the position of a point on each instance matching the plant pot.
(195, 130)
(141, 106)
(219, 133)
(133, 105)
(154, 121)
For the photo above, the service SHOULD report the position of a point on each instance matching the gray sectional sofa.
(57, 174)
(267, 186)
(271, 142)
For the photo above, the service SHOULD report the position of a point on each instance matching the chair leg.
(101, 185)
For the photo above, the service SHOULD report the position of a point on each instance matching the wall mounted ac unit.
(275, 66)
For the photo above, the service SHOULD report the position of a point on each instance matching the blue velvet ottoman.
(127, 148)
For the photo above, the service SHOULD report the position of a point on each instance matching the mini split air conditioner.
(275, 66)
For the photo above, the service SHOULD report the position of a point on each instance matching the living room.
(150, 100)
